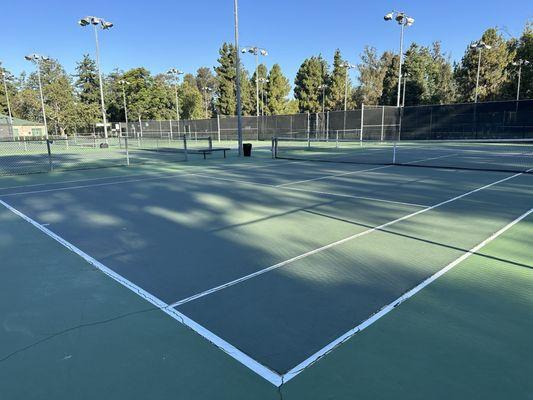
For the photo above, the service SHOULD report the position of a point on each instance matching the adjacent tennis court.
(297, 278)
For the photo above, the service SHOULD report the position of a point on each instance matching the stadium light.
(104, 25)
(479, 46)
(403, 20)
(175, 74)
(520, 63)
(256, 51)
(37, 59)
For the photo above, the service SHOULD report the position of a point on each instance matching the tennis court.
(274, 278)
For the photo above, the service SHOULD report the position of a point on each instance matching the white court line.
(389, 307)
(333, 176)
(228, 348)
(376, 199)
(333, 244)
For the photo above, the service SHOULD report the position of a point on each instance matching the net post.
(308, 131)
(127, 151)
(382, 121)
(185, 146)
(210, 143)
(336, 139)
(362, 123)
(170, 130)
(274, 147)
(218, 127)
(394, 152)
(49, 150)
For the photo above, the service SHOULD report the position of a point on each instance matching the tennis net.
(512, 155)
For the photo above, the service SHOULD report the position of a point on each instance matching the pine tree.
(277, 89)
(337, 84)
(390, 79)
(226, 102)
(493, 69)
(11, 90)
(524, 51)
(258, 78)
(311, 74)
(88, 91)
(206, 84)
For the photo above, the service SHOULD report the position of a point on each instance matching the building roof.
(17, 121)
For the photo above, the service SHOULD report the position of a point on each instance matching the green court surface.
(254, 278)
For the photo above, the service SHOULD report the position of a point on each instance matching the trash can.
(247, 149)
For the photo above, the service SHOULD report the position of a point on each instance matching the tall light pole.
(37, 59)
(479, 46)
(256, 51)
(263, 81)
(104, 25)
(124, 83)
(520, 63)
(238, 75)
(405, 75)
(175, 74)
(347, 67)
(403, 20)
(206, 89)
(10, 115)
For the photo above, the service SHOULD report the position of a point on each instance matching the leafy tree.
(278, 89)
(371, 74)
(311, 74)
(337, 83)
(493, 71)
(192, 104)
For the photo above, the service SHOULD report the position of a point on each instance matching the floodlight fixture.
(104, 25)
(403, 20)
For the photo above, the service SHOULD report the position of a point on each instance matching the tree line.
(72, 102)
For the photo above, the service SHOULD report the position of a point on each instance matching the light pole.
(10, 115)
(323, 88)
(520, 63)
(238, 75)
(124, 83)
(206, 90)
(347, 67)
(104, 25)
(175, 74)
(403, 20)
(37, 59)
(256, 51)
(479, 46)
(263, 81)
(405, 75)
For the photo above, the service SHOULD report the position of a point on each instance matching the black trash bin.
(247, 149)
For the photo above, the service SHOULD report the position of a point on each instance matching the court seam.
(260, 369)
(331, 245)
(392, 305)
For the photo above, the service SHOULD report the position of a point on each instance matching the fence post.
(308, 130)
(382, 121)
(218, 127)
(362, 123)
(316, 125)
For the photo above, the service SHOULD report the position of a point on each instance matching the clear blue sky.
(160, 34)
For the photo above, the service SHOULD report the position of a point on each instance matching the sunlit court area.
(358, 231)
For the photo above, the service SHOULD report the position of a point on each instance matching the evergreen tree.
(390, 79)
(205, 79)
(88, 91)
(337, 84)
(277, 89)
(311, 74)
(493, 71)
(247, 94)
(226, 102)
(11, 90)
(524, 51)
(258, 78)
